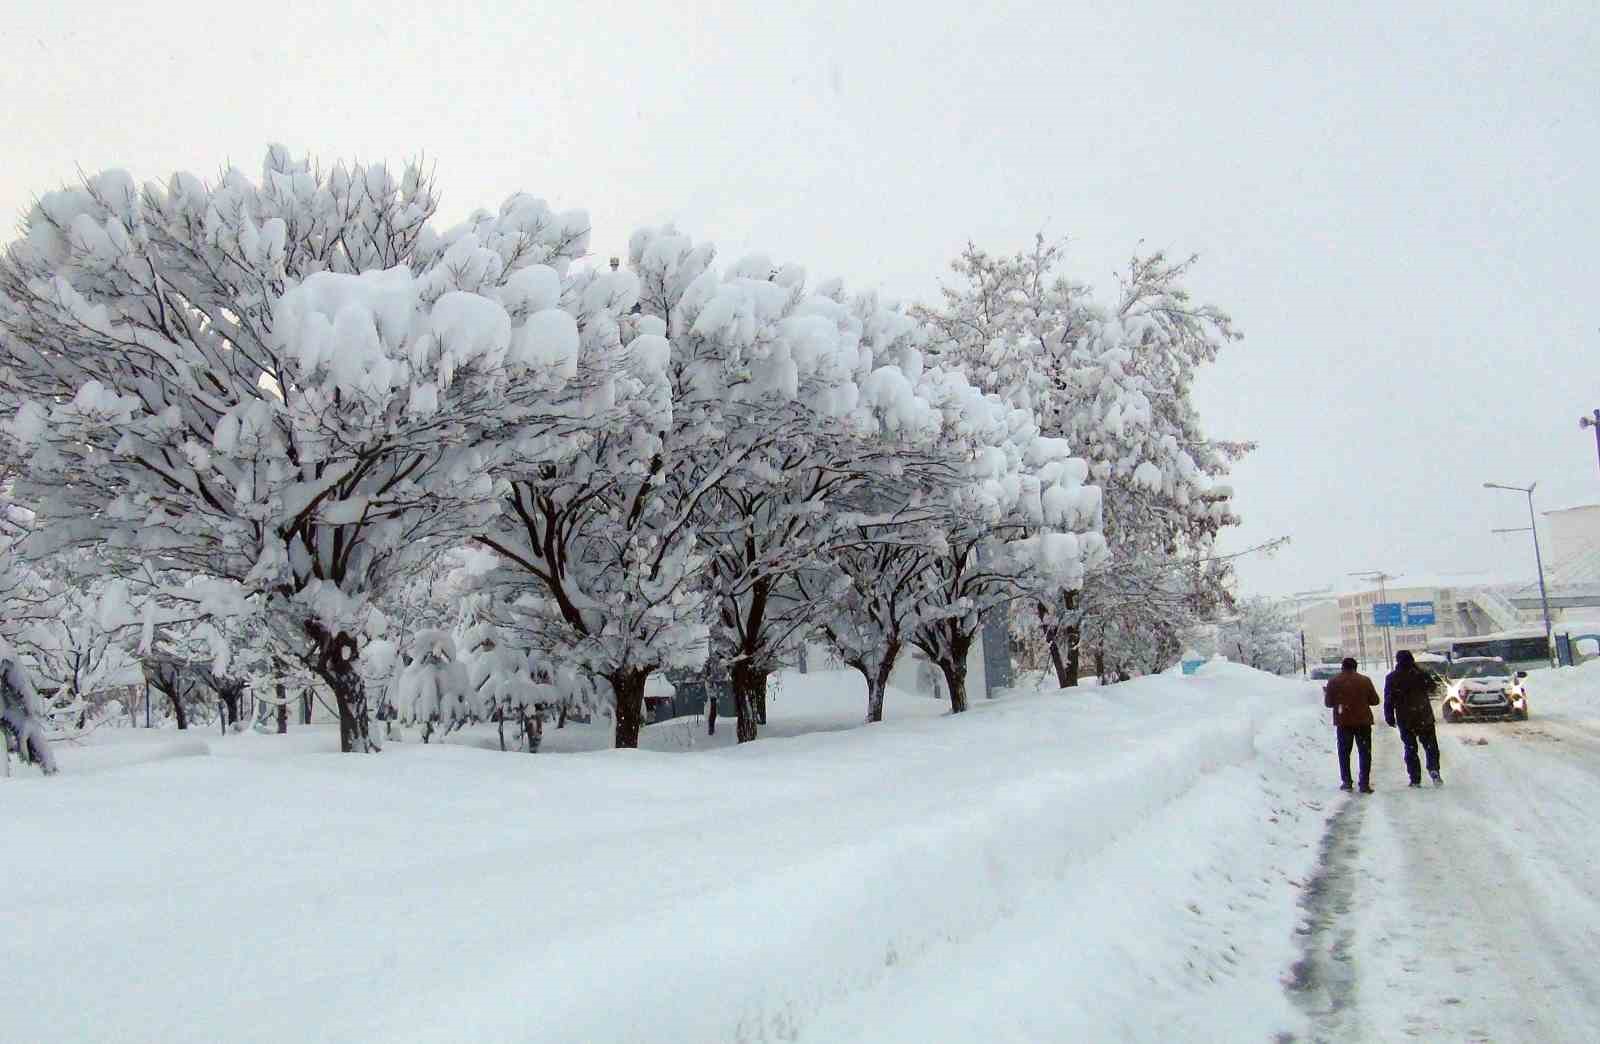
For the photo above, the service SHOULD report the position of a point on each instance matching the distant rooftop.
(1431, 582)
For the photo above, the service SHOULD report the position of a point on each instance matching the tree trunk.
(1100, 664)
(955, 679)
(176, 696)
(354, 728)
(305, 706)
(500, 722)
(749, 692)
(533, 730)
(1066, 666)
(955, 674)
(627, 688)
(335, 665)
(561, 716)
(877, 678)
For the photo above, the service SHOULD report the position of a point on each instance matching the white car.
(1483, 688)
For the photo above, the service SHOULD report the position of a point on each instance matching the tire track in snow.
(1322, 983)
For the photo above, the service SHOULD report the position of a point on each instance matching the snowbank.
(753, 893)
(797, 705)
(1566, 691)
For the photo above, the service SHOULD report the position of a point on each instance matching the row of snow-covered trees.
(270, 408)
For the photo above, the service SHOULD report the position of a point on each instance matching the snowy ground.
(1138, 863)
(1470, 912)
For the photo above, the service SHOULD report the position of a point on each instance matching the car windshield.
(1479, 669)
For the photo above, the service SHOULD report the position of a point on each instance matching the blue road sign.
(1386, 614)
(1419, 614)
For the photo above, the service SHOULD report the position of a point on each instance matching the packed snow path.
(1467, 912)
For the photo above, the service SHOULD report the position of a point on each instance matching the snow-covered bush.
(435, 689)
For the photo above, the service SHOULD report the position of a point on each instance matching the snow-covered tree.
(597, 563)
(293, 385)
(85, 644)
(21, 715)
(26, 594)
(1024, 527)
(866, 600)
(1261, 634)
(1113, 379)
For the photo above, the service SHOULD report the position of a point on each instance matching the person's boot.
(1438, 780)
(1366, 788)
(1345, 785)
(1416, 782)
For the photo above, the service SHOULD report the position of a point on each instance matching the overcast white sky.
(1399, 203)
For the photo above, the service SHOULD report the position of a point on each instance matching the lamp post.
(1592, 422)
(1538, 561)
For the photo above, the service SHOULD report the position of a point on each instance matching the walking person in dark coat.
(1352, 697)
(1406, 706)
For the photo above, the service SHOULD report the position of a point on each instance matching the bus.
(1524, 648)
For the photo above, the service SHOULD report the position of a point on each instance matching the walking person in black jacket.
(1406, 706)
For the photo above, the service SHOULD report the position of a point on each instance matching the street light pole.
(1538, 562)
(1592, 422)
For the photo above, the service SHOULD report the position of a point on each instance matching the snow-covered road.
(1462, 913)
(1467, 912)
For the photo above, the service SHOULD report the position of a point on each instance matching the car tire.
(1521, 715)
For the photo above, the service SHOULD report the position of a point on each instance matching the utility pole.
(1592, 422)
(1300, 598)
(1538, 562)
(1383, 596)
